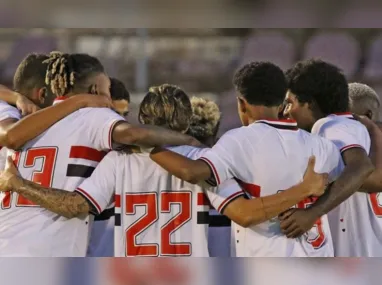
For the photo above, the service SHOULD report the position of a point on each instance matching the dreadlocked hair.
(69, 72)
(205, 119)
(168, 106)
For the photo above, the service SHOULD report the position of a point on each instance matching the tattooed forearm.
(64, 203)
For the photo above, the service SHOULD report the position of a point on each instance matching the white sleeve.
(328, 159)
(222, 157)
(8, 112)
(221, 196)
(99, 188)
(342, 135)
(101, 122)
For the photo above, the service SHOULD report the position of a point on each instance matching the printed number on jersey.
(43, 176)
(154, 204)
(315, 236)
(376, 203)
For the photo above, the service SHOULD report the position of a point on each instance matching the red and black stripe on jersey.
(86, 153)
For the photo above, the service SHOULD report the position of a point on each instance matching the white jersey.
(157, 214)
(268, 157)
(356, 224)
(62, 158)
(101, 242)
(7, 112)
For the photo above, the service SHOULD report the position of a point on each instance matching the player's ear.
(93, 89)
(241, 104)
(42, 95)
(369, 114)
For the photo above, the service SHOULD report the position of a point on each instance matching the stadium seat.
(373, 65)
(275, 47)
(26, 45)
(228, 108)
(340, 49)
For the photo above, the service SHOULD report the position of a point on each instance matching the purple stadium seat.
(274, 47)
(373, 66)
(24, 46)
(228, 107)
(337, 48)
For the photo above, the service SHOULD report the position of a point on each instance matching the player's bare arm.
(64, 203)
(248, 212)
(14, 134)
(358, 167)
(149, 136)
(373, 183)
(192, 171)
(25, 106)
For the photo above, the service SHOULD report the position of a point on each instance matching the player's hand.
(9, 177)
(295, 222)
(195, 142)
(25, 105)
(315, 183)
(94, 101)
(369, 124)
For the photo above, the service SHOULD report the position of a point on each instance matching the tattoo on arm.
(64, 203)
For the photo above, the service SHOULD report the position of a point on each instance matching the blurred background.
(201, 61)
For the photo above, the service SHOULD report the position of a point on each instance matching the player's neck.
(263, 113)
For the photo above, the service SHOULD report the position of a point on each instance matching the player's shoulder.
(338, 122)
(8, 111)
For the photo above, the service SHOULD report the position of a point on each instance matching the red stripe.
(226, 201)
(111, 135)
(343, 113)
(252, 189)
(117, 200)
(85, 152)
(203, 200)
(350, 146)
(213, 169)
(90, 198)
(289, 121)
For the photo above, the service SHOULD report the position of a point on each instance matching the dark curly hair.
(118, 90)
(318, 82)
(261, 83)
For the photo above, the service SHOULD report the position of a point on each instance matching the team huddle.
(300, 178)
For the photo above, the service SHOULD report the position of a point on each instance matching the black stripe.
(77, 170)
(117, 220)
(93, 209)
(105, 215)
(282, 127)
(202, 218)
(219, 221)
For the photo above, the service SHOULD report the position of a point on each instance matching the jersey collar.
(280, 124)
(344, 114)
(59, 99)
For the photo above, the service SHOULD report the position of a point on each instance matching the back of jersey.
(356, 223)
(268, 157)
(157, 214)
(62, 158)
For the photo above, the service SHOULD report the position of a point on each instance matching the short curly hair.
(205, 119)
(30, 73)
(321, 83)
(261, 83)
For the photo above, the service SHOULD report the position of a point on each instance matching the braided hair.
(68, 73)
